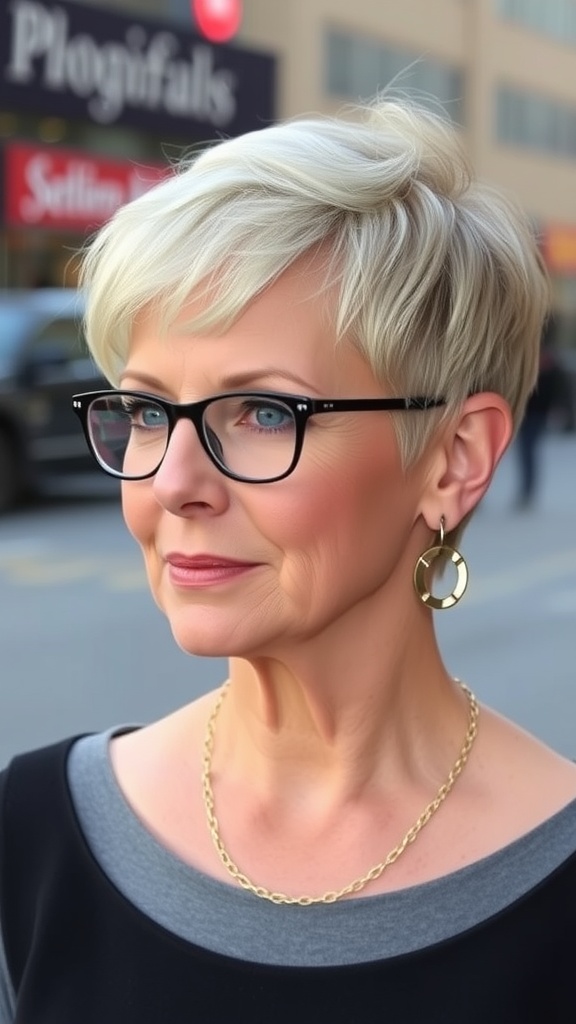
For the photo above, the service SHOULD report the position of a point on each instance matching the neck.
(388, 712)
(339, 744)
(361, 881)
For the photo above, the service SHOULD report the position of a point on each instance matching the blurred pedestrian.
(545, 399)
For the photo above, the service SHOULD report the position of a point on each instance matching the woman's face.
(245, 569)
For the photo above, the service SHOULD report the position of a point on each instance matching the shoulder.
(36, 791)
(524, 754)
(162, 745)
(522, 781)
(156, 769)
(33, 771)
(35, 809)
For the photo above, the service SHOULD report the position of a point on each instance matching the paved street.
(83, 646)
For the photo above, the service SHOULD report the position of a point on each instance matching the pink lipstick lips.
(205, 569)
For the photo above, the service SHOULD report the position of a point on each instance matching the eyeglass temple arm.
(351, 405)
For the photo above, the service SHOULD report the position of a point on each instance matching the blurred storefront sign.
(93, 105)
(63, 189)
(559, 248)
(80, 62)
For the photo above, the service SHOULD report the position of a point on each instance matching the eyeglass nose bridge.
(194, 413)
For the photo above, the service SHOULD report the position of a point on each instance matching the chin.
(206, 647)
(207, 634)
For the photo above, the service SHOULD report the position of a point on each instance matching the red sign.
(218, 20)
(61, 188)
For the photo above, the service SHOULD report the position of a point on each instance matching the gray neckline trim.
(228, 920)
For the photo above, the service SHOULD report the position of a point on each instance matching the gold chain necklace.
(373, 873)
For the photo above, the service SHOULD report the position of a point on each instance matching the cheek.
(140, 510)
(339, 526)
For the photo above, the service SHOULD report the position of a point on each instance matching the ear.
(464, 459)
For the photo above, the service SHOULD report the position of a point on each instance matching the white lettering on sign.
(76, 193)
(143, 71)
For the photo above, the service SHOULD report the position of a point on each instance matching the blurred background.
(96, 101)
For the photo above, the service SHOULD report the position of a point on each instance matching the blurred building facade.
(505, 70)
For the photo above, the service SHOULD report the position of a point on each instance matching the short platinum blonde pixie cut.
(438, 279)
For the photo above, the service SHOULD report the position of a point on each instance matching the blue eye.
(153, 416)
(142, 413)
(272, 416)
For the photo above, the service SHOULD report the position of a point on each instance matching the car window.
(13, 323)
(58, 351)
(63, 335)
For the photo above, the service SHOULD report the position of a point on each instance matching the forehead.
(287, 332)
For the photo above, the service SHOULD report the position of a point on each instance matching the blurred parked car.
(43, 361)
(567, 416)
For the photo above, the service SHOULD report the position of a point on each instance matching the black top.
(80, 953)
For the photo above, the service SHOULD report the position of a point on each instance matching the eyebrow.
(237, 380)
(144, 378)
(240, 380)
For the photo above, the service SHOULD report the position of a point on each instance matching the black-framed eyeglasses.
(251, 436)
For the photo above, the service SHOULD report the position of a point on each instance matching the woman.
(324, 335)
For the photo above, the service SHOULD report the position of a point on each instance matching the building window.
(556, 18)
(357, 67)
(534, 121)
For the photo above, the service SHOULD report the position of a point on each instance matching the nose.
(187, 479)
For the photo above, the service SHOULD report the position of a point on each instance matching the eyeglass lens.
(249, 435)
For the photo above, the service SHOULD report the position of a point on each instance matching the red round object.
(218, 20)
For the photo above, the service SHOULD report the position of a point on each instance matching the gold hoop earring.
(423, 564)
